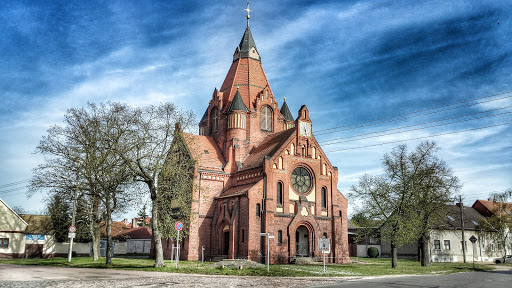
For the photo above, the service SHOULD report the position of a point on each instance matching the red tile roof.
(267, 147)
(206, 149)
(134, 233)
(248, 75)
(237, 190)
(490, 207)
(116, 228)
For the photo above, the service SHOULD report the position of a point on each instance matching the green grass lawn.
(367, 267)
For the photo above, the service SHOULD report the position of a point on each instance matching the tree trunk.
(108, 255)
(94, 228)
(394, 256)
(425, 255)
(420, 253)
(159, 253)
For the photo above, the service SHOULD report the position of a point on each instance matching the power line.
(352, 148)
(428, 109)
(12, 190)
(429, 122)
(465, 120)
(14, 183)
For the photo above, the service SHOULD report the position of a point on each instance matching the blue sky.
(348, 61)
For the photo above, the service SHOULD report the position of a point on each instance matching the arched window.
(313, 153)
(280, 163)
(324, 169)
(279, 237)
(215, 119)
(292, 149)
(266, 118)
(279, 194)
(258, 210)
(324, 198)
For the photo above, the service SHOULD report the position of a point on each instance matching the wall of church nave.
(210, 186)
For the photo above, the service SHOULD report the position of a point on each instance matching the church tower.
(245, 104)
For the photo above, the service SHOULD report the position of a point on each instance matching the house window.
(215, 119)
(258, 210)
(266, 118)
(493, 248)
(279, 237)
(437, 244)
(465, 245)
(4, 242)
(324, 198)
(499, 245)
(280, 163)
(446, 244)
(243, 235)
(279, 194)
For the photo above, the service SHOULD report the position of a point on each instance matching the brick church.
(261, 170)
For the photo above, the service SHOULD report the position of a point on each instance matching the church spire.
(248, 11)
(247, 46)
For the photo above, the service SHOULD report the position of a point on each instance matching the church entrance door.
(302, 241)
(226, 243)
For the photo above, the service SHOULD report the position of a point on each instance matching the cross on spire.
(248, 11)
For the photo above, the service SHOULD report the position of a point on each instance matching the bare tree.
(145, 151)
(83, 158)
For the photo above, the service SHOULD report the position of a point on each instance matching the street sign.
(179, 226)
(71, 235)
(473, 239)
(271, 236)
(72, 229)
(324, 245)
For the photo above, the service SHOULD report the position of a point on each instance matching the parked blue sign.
(32, 237)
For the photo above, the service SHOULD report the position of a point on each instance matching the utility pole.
(461, 206)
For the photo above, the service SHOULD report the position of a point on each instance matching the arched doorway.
(302, 241)
(225, 240)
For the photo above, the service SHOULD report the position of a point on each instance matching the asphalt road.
(497, 278)
(13, 276)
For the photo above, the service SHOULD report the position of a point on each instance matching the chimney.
(134, 223)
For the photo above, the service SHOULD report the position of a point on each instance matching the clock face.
(301, 180)
(305, 129)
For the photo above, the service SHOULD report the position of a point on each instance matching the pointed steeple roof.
(247, 41)
(247, 47)
(237, 103)
(286, 111)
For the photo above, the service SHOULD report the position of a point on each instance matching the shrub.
(373, 252)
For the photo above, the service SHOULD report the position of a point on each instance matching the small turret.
(288, 118)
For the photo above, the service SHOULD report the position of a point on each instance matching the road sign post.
(473, 240)
(324, 246)
(178, 227)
